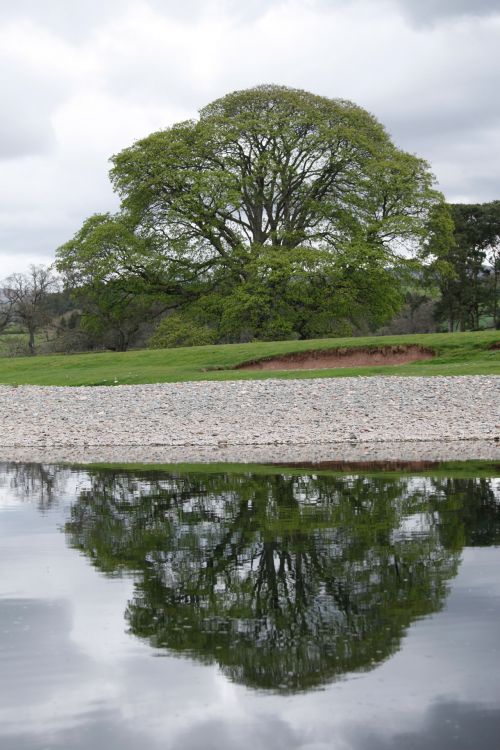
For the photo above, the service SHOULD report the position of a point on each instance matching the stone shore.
(248, 420)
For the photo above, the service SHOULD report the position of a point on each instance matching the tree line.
(276, 214)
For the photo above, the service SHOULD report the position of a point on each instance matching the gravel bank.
(300, 455)
(236, 414)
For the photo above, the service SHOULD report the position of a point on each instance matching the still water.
(264, 608)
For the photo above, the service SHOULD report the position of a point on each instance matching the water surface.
(270, 608)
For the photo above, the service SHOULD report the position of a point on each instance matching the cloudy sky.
(82, 79)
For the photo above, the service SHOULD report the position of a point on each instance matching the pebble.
(253, 413)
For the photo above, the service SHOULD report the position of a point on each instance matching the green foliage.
(273, 166)
(281, 213)
(176, 330)
(303, 294)
(101, 251)
(113, 315)
(117, 279)
(465, 250)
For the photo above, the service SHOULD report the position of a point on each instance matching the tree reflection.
(472, 516)
(42, 483)
(285, 581)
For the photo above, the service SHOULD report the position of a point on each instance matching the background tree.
(466, 263)
(5, 310)
(418, 314)
(114, 316)
(27, 294)
(273, 194)
(491, 222)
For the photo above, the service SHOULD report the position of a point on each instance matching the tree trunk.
(496, 317)
(122, 342)
(31, 342)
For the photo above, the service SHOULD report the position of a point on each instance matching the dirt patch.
(495, 345)
(320, 359)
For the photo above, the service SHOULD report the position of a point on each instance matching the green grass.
(456, 354)
(444, 469)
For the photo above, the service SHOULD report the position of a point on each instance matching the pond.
(249, 607)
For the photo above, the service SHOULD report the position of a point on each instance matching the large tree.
(265, 177)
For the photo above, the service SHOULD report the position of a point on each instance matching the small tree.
(26, 297)
(113, 316)
(5, 310)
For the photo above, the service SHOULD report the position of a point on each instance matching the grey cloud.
(44, 660)
(76, 20)
(71, 20)
(266, 731)
(448, 725)
(430, 11)
(25, 242)
(106, 728)
(34, 238)
(27, 101)
(102, 729)
(474, 188)
(461, 152)
(20, 135)
(423, 12)
(49, 657)
(50, 663)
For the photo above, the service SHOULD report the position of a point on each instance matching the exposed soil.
(319, 359)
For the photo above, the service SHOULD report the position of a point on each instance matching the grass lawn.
(456, 354)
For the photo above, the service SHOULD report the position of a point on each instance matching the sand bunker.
(320, 359)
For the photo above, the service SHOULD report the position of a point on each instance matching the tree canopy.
(273, 195)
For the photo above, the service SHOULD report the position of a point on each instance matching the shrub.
(176, 330)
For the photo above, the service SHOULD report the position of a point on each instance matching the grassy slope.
(457, 354)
